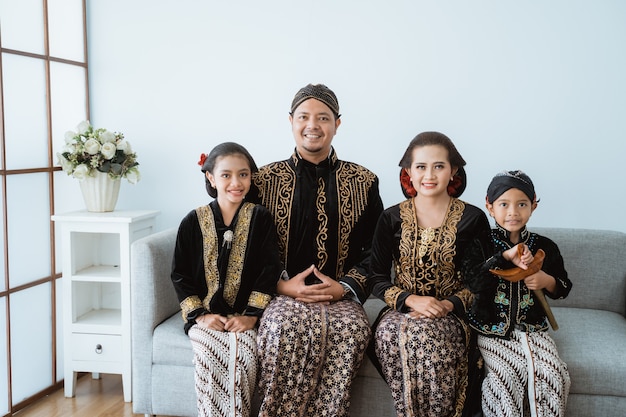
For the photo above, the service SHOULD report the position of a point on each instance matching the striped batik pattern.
(226, 369)
(525, 376)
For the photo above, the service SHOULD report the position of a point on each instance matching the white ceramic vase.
(100, 192)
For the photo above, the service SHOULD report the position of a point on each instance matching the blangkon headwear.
(319, 92)
(506, 180)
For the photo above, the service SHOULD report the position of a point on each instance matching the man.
(313, 335)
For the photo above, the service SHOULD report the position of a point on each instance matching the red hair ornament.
(203, 157)
(405, 183)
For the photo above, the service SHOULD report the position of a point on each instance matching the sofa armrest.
(153, 300)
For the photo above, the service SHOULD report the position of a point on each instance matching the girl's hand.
(212, 321)
(240, 323)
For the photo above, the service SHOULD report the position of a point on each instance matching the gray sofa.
(591, 338)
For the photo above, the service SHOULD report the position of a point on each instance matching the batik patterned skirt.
(226, 371)
(525, 376)
(308, 356)
(424, 363)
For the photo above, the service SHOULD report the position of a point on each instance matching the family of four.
(272, 274)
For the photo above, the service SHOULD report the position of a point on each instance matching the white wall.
(530, 85)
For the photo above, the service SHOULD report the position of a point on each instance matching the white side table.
(96, 291)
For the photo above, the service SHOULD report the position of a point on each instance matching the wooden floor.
(94, 398)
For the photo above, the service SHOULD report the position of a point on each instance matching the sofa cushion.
(591, 343)
(179, 384)
(171, 345)
(595, 262)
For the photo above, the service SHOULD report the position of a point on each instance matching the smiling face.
(430, 171)
(231, 177)
(511, 211)
(313, 125)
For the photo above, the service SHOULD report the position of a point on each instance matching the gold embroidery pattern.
(275, 183)
(360, 278)
(237, 254)
(435, 276)
(259, 300)
(353, 183)
(391, 296)
(427, 236)
(404, 269)
(448, 282)
(189, 304)
(322, 218)
(209, 247)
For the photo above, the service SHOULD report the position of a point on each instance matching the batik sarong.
(226, 371)
(525, 376)
(424, 364)
(308, 356)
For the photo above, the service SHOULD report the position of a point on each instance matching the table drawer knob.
(98, 348)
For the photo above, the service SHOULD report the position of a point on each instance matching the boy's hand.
(519, 255)
(539, 281)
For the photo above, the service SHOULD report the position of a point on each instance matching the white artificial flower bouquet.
(89, 149)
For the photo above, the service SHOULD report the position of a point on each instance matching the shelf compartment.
(98, 273)
(96, 306)
(95, 252)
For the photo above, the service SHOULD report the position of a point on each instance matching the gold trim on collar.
(234, 269)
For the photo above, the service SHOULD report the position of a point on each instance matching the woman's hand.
(427, 307)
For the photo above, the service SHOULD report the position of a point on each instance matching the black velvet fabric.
(261, 267)
(518, 303)
(472, 246)
(325, 214)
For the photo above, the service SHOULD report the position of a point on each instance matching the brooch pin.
(228, 238)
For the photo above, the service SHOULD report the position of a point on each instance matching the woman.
(225, 270)
(421, 340)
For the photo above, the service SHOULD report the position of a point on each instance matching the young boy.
(524, 374)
